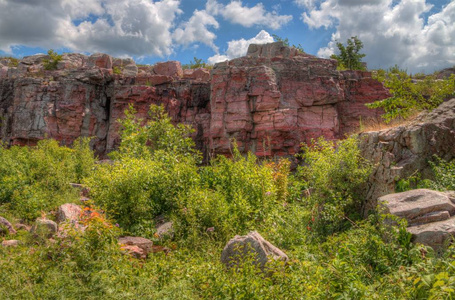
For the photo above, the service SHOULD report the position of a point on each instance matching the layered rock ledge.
(270, 100)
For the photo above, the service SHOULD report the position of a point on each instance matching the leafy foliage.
(154, 174)
(35, 179)
(12, 61)
(409, 95)
(53, 60)
(196, 64)
(286, 43)
(349, 56)
(334, 174)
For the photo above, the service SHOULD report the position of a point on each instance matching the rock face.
(402, 151)
(270, 100)
(430, 214)
(241, 247)
(276, 98)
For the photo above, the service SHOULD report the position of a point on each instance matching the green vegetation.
(12, 61)
(443, 177)
(349, 56)
(286, 43)
(196, 64)
(53, 60)
(117, 70)
(36, 179)
(312, 215)
(411, 95)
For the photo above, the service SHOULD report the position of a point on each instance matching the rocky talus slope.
(270, 101)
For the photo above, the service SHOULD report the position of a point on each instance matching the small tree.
(349, 57)
(53, 60)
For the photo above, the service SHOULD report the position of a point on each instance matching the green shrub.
(410, 96)
(334, 173)
(234, 196)
(53, 60)
(35, 179)
(349, 56)
(142, 140)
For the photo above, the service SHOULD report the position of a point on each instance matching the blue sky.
(416, 34)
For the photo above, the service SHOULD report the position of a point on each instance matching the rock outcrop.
(276, 97)
(430, 214)
(270, 100)
(406, 150)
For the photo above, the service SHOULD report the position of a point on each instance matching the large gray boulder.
(430, 214)
(251, 245)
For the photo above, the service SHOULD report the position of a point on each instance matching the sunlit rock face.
(276, 97)
(269, 101)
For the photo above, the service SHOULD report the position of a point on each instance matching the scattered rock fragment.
(136, 246)
(10, 243)
(44, 227)
(5, 223)
(253, 244)
(69, 212)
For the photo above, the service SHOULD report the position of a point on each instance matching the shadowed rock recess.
(270, 101)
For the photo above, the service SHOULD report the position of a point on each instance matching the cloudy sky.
(415, 34)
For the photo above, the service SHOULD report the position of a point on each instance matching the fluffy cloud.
(237, 48)
(196, 30)
(392, 32)
(236, 13)
(134, 27)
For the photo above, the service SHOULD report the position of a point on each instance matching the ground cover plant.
(310, 214)
(411, 94)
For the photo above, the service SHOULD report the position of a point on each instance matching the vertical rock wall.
(270, 101)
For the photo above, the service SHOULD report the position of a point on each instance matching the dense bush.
(410, 95)
(35, 179)
(334, 174)
(154, 174)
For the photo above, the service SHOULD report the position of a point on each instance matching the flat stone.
(433, 234)
(417, 203)
(10, 243)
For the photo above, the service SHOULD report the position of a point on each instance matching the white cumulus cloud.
(196, 30)
(393, 32)
(118, 27)
(237, 13)
(238, 48)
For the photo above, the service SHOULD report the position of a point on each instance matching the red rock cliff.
(270, 100)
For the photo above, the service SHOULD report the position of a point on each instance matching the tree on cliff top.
(349, 57)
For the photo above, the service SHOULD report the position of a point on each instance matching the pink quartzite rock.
(169, 68)
(10, 243)
(137, 246)
(270, 101)
(68, 212)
